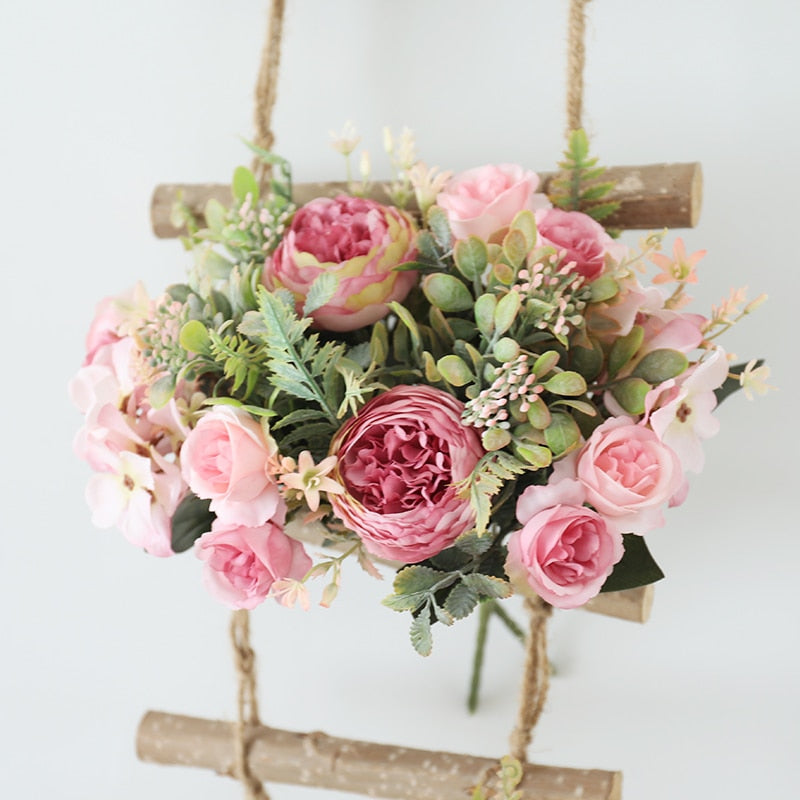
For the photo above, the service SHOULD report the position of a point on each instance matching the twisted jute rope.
(247, 702)
(266, 91)
(535, 678)
(576, 60)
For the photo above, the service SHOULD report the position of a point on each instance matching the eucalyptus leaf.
(454, 370)
(161, 391)
(471, 257)
(624, 349)
(495, 438)
(446, 292)
(630, 394)
(602, 289)
(506, 312)
(244, 183)
(544, 363)
(661, 365)
(570, 384)
(440, 227)
(515, 247)
(562, 434)
(484, 314)
(194, 337)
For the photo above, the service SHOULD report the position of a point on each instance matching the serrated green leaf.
(416, 579)
(661, 365)
(636, 568)
(320, 292)
(298, 416)
(624, 349)
(420, 633)
(597, 191)
(244, 183)
(472, 543)
(488, 585)
(192, 518)
(461, 601)
(602, 211)
(562, 434)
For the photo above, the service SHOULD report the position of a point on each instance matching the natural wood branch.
(322, 761)
(653, 196)
(632, 604)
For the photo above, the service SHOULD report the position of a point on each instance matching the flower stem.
(485, 611)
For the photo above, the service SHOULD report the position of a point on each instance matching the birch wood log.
(652, 197)
(376, 770)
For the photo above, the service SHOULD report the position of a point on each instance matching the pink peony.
(564, 552)
(627, 472)
(398, 461)
(241, 563)
(484, 200)
(585, 241)
(226, 459)
(357, 240)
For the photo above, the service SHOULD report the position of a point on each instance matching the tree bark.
(322, 761)
(652, 197)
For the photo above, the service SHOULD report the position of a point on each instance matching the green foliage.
(636, 568)
(579, 188)
(190, 521)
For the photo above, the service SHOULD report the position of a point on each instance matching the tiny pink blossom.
(679, 268)
(308, 480)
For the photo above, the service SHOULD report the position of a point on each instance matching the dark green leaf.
(636, 568)
(190, 521)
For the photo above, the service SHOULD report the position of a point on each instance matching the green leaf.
(506, 312)
(630, 394)
(244, 183)
(570, 384)
(484, 314)
(544, 363)
(407, 318)
(379, 343)
(602, 289)
(562, 434)
(587, 360)
(454, 370)
(320, 292)
(446, 292)
(624, 349)
(194, 337)
(440, 227)
(538, 456)
(636, 568)
(461, 601)
(525, 222)
(190, 521)
(298, 416)
(515, 247)
(495, 438)
(420, 633)
(215, 214)
(661, 365)
(471, 257)
(161, 391)
(539, 414)
(416, 579)
(488, 585)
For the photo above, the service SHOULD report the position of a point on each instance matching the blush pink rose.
(242, 563)
(564, 551)
(484, 200)
(398, 460)
(357, 240)
(585, 241)
(226, 459)
(629, 475)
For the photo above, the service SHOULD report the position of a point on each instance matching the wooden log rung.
(366, 768)
(652, 197)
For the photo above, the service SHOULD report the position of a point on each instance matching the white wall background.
(102, 100)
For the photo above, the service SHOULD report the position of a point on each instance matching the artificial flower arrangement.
(478, 391)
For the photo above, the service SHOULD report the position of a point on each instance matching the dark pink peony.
(398, 460)
(357, 240)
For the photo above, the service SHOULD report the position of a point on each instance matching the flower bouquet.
(473, 384)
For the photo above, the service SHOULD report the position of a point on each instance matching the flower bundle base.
(651, 196)
(376, 770)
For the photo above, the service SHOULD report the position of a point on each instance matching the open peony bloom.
(358, 241)
(564, 551)
(398, 461)
(485, 200)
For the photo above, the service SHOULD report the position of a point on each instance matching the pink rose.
(627, 472)
(226, 459)
(564, 552)
(398, 460)
(484, 200)
(585, 241)
(242, 563)
(357, 240)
